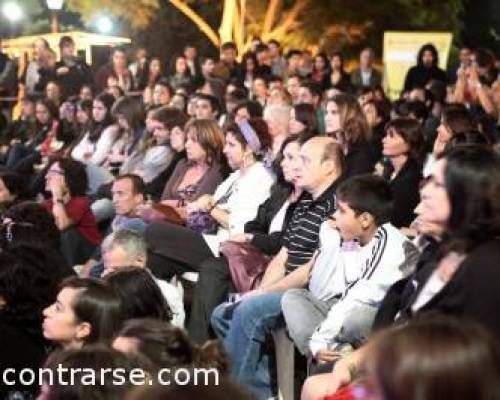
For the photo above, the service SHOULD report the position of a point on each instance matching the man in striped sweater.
(246, 325)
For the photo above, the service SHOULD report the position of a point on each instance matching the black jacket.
(472, 293)
(418, 76)
(269, 243)
(23, 346)
(359, 160)
(79, 74)
(405, 190)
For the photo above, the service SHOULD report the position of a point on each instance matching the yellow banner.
(400, 53)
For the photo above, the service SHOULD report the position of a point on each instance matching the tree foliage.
(296, 23)
(137, 13)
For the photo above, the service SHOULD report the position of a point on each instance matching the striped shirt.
(301, 237)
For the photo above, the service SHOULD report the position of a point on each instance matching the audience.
(213, 218)
(262, 239)
(457, 277)
(297, 236)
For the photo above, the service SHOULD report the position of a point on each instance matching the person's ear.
(140, 261)
(139, 198)
(328, 166)
(83, 330)
(366, 220)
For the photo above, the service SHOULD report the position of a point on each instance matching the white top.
(174, 297)
(32, 76)
(365, 77)
(428, 165)
(432, 287)
(359, 275)
(149, 164)
(99, 149)
(249, 191)
(277, 222)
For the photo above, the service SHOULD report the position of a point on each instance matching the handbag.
(161, 213)
(202, 222)
(246, 264)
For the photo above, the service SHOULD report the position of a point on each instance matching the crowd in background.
(180, 214)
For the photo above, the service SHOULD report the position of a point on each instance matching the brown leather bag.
(246, 264)
(162, 213)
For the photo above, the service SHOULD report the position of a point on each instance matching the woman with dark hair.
(377, 115)
(249, 64)
(432, 359)
(426, 70)
(261, 239)
(166, 346)
(86, 311)
(83, 117)
(454, 119)
(402, 147)
(129, 114)
(12, 190)
(346, 122)
(213, 218)
(339, 78)
(321, 70)
(92, 361)
(22, 156)
(66, 181)
(27, 286)
(141, 296)
(461, 278)
(97, 140)
(181, 77)
(303, 119)
(154, 74)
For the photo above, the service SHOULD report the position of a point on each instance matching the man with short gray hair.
(127, 248)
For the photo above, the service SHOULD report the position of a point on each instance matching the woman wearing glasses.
(66, 181)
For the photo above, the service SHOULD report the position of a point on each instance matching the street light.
(104, 24)
(54, 6)
(12, 11)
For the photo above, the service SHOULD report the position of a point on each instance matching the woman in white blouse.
(97, 142)
(175, 249)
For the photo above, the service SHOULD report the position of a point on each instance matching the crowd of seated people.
(159, 219)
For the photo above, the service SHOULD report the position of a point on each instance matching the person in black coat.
(458, 275)
(426, 69)
(72, 72)
(402, 147)
(214, 281)
(28, 284)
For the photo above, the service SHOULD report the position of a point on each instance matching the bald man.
(245, 326)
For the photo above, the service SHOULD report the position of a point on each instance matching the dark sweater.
(418, 76)
(405, 190)
(472, 293)
(359, 160)
(23, 346)
(270, 243)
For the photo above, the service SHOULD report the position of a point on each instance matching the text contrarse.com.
(117, 376)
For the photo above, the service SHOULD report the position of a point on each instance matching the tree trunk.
(198, 21)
